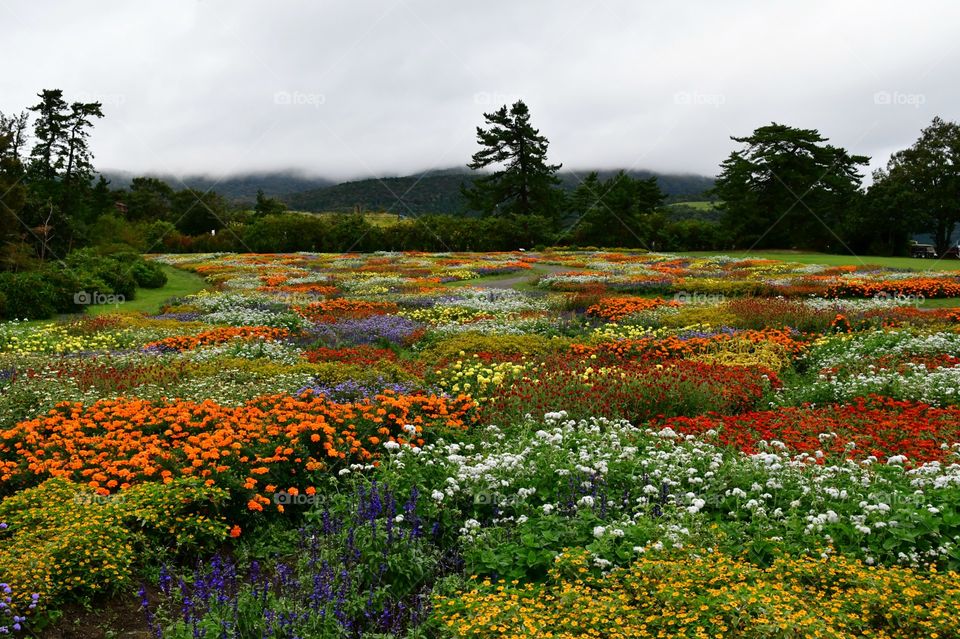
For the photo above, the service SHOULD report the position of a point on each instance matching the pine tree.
(787, 189)
(525, 184)
(52, 116)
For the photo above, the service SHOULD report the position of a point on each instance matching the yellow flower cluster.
(480, 379)
(744, 352)
(443, 315)
(51, 337)
(61, 541)
(711, 596)
(615, 331)
(460, 274)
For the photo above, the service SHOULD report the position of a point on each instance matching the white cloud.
(350, 89)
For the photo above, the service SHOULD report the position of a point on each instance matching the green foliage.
(115, 271)
(66, 287)
(621, 205)
(28, 295)
(787, 188)
(66, 543)
(918, 191)
(526, 183)
(268, 205)
(432, 193)
(148, 274)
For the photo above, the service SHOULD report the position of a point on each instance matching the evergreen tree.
(49, 128)
(15, 129)
(149, 199)
(615, 212)
(13, 195)
(788, 189)
(921, 186)
(525, 184)
(268, 205)
(79, 159)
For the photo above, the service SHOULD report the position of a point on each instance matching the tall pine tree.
(525, 184)
(787, 189)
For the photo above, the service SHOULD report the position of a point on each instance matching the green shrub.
(64, 542)
(148, 274)
(28, 296)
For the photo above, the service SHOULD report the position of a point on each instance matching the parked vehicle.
(923, 251)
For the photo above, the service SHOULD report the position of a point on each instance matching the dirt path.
(527, 277)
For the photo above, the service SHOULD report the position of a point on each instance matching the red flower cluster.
(671, 346)
(877, 426)
(364, 355)
(638, 391)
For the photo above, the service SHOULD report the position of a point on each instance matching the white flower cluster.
(660, 486)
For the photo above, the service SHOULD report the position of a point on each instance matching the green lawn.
(375, 219)
(943, 302)
(840, 260)
(700, 205)
(486, 278)
(149, 300)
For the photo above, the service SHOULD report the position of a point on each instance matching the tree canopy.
(922, 183)
(620, 206)
(525, 183)
(786, 188)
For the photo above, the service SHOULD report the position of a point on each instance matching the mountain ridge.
(433, 191)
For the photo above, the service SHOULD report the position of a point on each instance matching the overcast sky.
(353, 89)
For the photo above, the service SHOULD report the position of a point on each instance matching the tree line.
(785, 187)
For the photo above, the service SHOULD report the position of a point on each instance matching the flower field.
(565, 444)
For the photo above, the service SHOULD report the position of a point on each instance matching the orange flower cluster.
(839, 270)
(840, 324)
(114, 444)
(330, 311)
(271, 281)
(219, 336)
(317, 289)
(921, 286)
(616, 308)
(521, 263)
